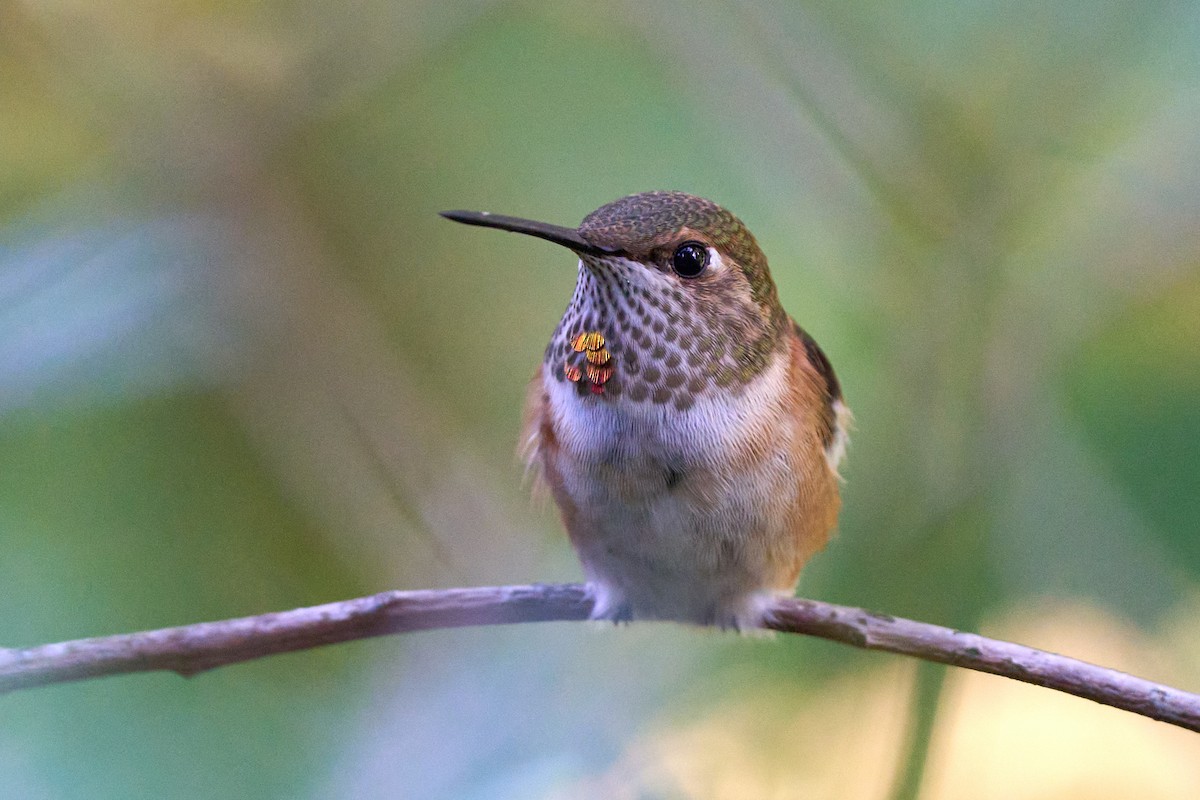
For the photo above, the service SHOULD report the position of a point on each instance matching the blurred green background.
(244, 367)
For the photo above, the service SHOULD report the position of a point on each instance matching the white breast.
(674, 519)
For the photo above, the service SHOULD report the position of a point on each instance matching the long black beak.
(567, 237)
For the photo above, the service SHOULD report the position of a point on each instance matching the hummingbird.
(688, 429)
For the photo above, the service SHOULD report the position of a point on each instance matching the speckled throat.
(658, 342)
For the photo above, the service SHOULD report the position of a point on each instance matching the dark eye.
(690, 259)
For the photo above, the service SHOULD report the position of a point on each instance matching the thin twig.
(190, 649)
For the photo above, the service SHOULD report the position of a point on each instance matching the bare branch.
(190, 649)
(873, 631)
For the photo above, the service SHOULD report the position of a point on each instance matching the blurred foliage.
(244, 366)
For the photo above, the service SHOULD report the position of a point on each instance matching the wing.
(536, 433)
(835, 416)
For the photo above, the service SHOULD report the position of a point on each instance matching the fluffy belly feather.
(680, 515)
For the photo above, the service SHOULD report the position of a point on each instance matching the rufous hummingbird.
(688, 429)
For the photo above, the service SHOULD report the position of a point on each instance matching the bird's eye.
(690, 259)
